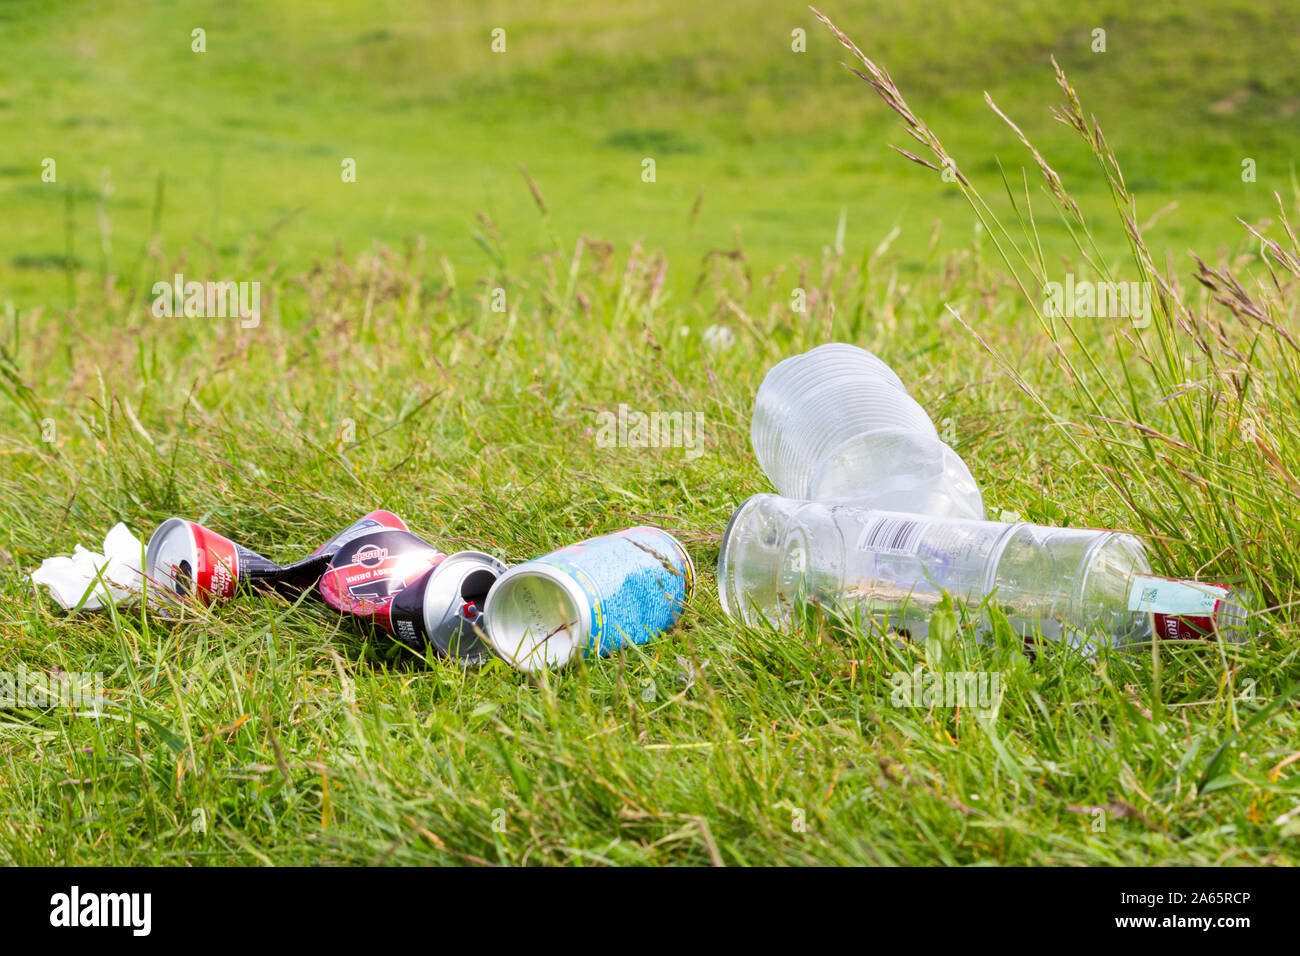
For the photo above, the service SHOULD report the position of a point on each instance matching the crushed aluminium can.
(307, 572)
(405, 586)
(185, 559)
(445, 607)
(592, 597)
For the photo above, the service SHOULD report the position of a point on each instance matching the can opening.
(182, 578)
(474, 589)
(534, 620)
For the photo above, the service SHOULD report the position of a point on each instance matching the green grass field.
(264, 732)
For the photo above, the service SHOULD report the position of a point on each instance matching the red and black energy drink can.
(444, 609)
(186, 559)
(304, 574)
(405, 586)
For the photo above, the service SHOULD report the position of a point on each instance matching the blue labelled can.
(592, 597)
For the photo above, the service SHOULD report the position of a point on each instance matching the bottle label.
(1170, 596)
(1180, 610)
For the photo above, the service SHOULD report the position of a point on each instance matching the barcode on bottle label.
(891, 536)
(1182, 598)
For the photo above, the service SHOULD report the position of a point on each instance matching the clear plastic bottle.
(1076, 585)
(837, 422)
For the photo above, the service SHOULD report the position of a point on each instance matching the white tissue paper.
(109, 578)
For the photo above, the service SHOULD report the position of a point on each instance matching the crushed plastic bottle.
(837, 422)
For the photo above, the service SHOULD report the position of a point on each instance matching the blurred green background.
(235, 155)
